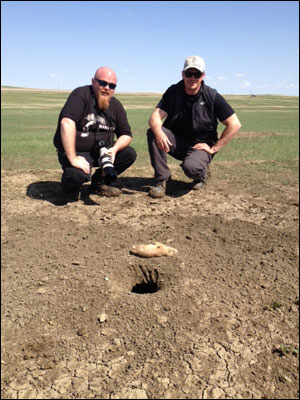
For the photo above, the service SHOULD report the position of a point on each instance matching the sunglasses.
(196, 75)
(104, 84)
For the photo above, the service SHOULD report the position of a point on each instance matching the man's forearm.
(155, 125)
(122, 142)
(233, 125)
(156, 121)
(68, 137)
(225, 138)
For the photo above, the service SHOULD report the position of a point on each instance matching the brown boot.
(159, 190)
(198, 185)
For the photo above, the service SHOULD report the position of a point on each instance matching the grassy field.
(269, 137)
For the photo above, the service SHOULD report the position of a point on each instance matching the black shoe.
(101, 189)
(71, 194)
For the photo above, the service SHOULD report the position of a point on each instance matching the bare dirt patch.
(263, 134)
(222, 322)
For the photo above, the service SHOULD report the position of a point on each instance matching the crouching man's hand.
(112, 153)
(80, 162)
(205, 147)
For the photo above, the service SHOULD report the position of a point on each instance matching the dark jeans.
(74, 177)
(194, 162)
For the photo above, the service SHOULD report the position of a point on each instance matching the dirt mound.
(83, 317)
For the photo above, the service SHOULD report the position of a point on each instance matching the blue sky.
(248, 46)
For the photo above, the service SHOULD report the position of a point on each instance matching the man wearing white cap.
(191, 111)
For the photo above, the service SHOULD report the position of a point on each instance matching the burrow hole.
(149, 284)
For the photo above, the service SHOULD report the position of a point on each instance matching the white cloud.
(222, 78)
(280, 85)
(292, 86)
(284, 85)
(238, 75)
(245, 84)
(56, 75)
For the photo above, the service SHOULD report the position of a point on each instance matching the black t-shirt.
(183, 124)
(91, 123)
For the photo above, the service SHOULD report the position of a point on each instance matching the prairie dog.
(153, 250)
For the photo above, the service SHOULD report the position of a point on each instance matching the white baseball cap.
(194, 62)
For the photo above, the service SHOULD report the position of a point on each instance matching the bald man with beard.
(93, 118)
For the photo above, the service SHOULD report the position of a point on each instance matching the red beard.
(103, 102)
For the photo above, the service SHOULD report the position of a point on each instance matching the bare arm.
(122, 142)
(155, 123)
(232, 126)
(68, 136)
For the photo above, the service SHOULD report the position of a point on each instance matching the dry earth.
(223, 318)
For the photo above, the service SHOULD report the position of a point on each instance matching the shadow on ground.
(51, 190)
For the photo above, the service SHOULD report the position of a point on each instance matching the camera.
(105, 162)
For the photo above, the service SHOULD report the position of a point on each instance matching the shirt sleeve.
(122, 124)
(74, 107)
(222, 108)
(165, 103)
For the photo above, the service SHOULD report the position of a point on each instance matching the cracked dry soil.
(220, 322)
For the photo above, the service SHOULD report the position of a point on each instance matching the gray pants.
(194, 162)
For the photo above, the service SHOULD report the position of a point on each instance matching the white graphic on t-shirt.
(95, 122)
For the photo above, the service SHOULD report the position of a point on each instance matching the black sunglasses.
(104, 84)
(189, 74)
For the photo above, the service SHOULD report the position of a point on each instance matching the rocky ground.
(83, 318)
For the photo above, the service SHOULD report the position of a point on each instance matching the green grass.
(280, 148)
(275, 120)
(29, 121)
